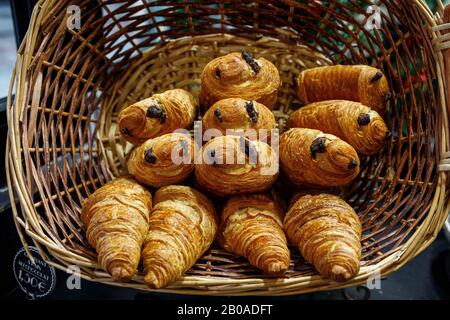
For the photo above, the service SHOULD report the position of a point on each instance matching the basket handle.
(446, 19)
(445, 157)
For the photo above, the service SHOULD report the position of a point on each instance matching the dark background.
(425, 277)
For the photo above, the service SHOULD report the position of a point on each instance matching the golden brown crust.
(358, 83)
(183, 225)
(160, 114)
(327, 231)
(115, 217)
(353, 122)
(252, 227)
(310, 157)
(164, 160)
(247, 116)
(233, 165)
(231, 76)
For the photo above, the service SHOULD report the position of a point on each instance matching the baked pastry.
(359, 83)
(183, 225)
(115, 217)
(310, 157)
(238, 75)
(364, 129)
(160, 114)
(231, 165)
(327, 232)
(239, 116)
(252, 227)
(164, 160)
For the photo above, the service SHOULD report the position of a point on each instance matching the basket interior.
(126, 51)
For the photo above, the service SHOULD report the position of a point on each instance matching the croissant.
(183, 225)
(310, 157)
(359, 83)
(115, 217)
(327, 232)
(231, 165)
(155, 116)
(361, 127)
(238, 75)
(252, 226)
(164, 160)
(234, 115)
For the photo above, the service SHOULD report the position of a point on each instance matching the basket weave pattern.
(71, 84)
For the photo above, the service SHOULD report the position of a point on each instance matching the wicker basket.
(71, 83)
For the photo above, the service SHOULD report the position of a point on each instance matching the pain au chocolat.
(160, 114)
(309, 157)
(231, 165)
(239, 116)
(239, 75)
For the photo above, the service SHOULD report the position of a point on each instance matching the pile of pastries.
(171, 229)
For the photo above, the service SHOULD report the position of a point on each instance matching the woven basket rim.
(17, 186)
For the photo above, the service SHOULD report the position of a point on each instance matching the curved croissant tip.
(120, 274)
(276, 267)
(340, 274)
(152, 281)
